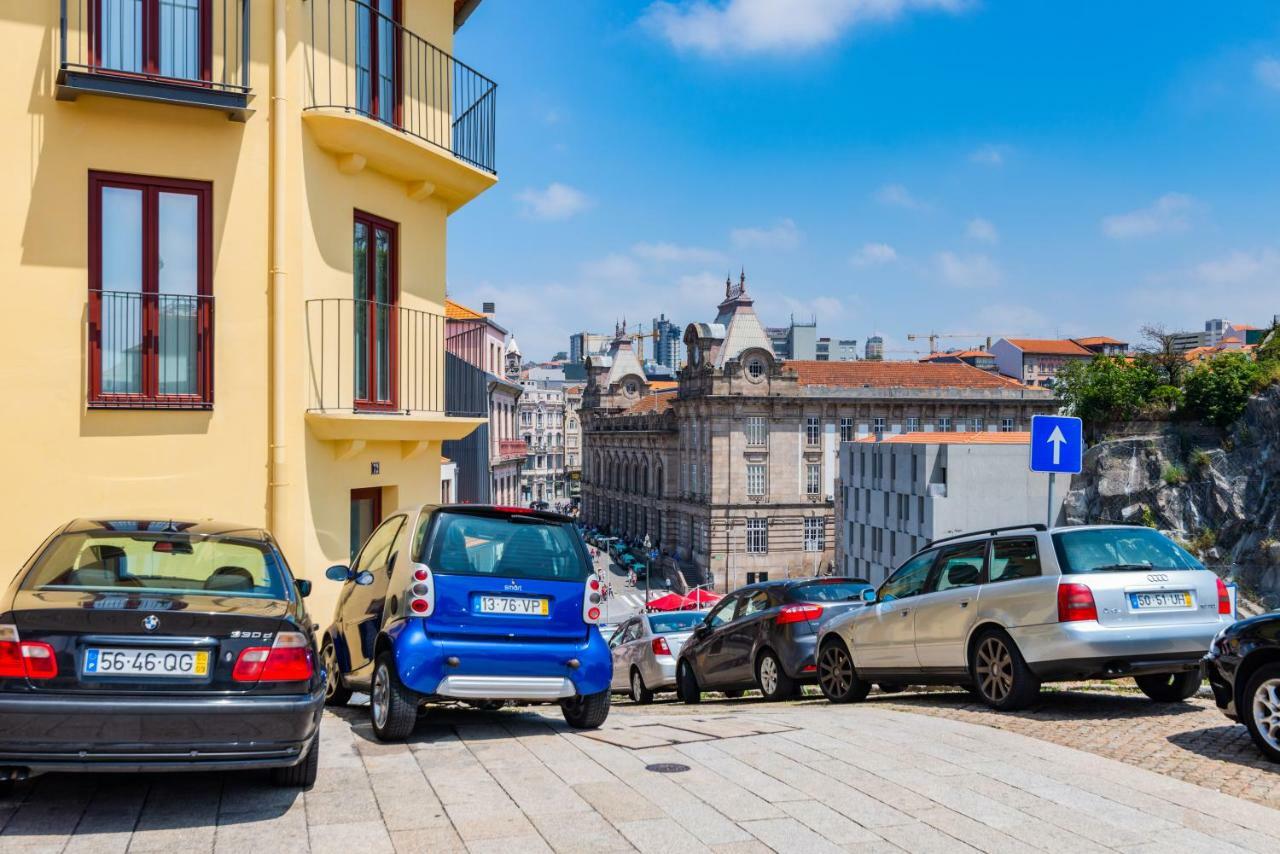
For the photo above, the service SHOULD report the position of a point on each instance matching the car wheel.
(1001, 676)
(335, 694)
(1261, 710)
(393, 707)
(773, 682)
(687, 688)
(891, 687)
(836, 676)
(302, 775)
(639, 693)
(1170, 687)
(586, 711)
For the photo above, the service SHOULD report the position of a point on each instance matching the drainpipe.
(276, 474)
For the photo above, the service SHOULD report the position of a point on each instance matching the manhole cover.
(667, 767)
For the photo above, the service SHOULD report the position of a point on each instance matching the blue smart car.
(472, 603)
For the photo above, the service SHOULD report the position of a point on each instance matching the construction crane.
(932, 337)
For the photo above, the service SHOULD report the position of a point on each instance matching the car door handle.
(964, 603)
(906, 613)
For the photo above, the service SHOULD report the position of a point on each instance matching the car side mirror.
(338, 572)
(304, 586)
(364, 578)
(701, 629)
(869, 595)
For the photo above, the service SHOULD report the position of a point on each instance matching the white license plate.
(1167, 599)
(520, 605)
(100, 661)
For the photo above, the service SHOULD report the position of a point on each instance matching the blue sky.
(893, 166)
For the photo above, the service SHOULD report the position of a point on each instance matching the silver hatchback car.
(1003, 611)
(645, 651)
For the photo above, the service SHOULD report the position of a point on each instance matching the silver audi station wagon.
(1003, 611)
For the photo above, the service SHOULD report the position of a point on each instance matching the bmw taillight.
(1224, 598)
(1075, 603)
(660, 646)
(797, 614)
(288, 659)
(21, 659)
(420, 598)
(592, 596)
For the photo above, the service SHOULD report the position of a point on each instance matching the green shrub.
(1174, 475)
(1218, 388)
(1149, 517)
(1202, 542)
(1201, 460)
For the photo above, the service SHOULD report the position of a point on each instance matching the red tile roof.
(874, 374)
(659, 401)
(1049, 346)
(458, 311)
(958, 354)
(663, 385)
(1098, 339)
(953, 439)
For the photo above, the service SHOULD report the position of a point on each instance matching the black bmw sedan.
(159, 646)
(1243, 665)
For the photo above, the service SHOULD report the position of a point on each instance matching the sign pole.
(1049, 513)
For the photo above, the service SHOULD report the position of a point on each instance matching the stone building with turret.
(731, 470)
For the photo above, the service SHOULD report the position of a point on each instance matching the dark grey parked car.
(764, 636)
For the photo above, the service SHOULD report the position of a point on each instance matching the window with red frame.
(377, 59)
(150, 292)
(155, 38)
(376, 297)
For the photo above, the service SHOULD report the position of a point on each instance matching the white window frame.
(1006, 425)
(815, 534)
(757, 536)
(812, 430)
(757, 479)
(813, 478)
(846, 430)
(757, 431)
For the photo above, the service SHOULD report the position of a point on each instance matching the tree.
(1218, 388)
(1106, 389)
(1158, 350)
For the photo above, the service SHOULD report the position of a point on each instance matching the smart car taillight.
(1075, 603)
(797, 614)
(1224, 598)
(591, 599)
(289, 659)
(660, 646)
(25, 659)
(420, 598)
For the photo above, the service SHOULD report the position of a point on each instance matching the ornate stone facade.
(732, 471)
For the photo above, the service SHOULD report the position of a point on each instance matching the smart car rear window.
(503, 546)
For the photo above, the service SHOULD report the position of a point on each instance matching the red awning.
(669, 602)
(698, 596)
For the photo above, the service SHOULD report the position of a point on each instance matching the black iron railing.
(152, 350)
(361, 59)
(365, 356)
(200, 47)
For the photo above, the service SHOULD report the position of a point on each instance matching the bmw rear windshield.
(1119, 550)
(503, 546)
(163, 562)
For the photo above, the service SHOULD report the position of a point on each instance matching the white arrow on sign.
(1057, 440)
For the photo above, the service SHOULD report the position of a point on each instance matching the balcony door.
(377, 51)
(154, 38)
(376, 299)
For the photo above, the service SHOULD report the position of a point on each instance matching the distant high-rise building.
(837, 350)
(875, 348)
(584, 344)
(667, 342)
(802, 340)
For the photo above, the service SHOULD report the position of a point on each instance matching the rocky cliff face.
(1221, 496)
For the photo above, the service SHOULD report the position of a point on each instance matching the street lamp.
(648, 568)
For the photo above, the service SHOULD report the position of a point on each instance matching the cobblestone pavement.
(805, 777)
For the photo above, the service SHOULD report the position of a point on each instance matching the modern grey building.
(897, 495)
(667, 342)
(584, 344)
(875, 348)
(796, 341)
(837, 350)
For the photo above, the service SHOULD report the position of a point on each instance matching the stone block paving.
(806, 777)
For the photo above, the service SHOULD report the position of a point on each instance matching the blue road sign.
(1057, 444)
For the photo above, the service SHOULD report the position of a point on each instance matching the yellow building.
(225, 262)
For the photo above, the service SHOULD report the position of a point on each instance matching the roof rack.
(1034, 526)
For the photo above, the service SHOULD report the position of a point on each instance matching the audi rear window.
(680, 621)
(173, 563)
(504, 546)
(1120, 550)
(829, 591)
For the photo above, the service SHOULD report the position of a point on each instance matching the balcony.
(510, 449)
(376, 373)
(378, 95)
(189, 52)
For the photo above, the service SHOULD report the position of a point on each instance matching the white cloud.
(556, 201)
(1267, 71)
(873, 254)
(989, 155)
(1239, 268)
(898, 196)
(1167, 214)
(982, 230)
(782, 235)
(751, 26)
(671, 253)
(968, 271)
(615, 269)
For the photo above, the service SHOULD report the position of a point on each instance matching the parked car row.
(999, 612)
